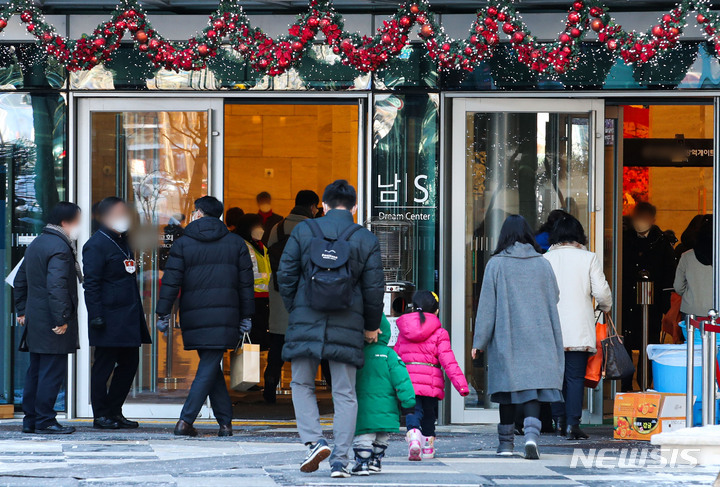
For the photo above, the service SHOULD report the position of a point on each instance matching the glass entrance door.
(524, 157)
(159, 155)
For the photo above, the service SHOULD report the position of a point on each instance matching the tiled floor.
(262, 455)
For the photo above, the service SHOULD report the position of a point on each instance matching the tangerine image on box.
(638, 416)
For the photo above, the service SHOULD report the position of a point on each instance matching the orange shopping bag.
(593, 372)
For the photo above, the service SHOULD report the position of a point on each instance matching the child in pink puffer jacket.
(424, 345)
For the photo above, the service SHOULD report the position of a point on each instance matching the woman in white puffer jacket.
(580, 278)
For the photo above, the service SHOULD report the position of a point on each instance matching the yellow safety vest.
(261, 268)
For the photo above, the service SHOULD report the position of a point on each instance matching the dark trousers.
(209, 381)
(573, 388)
(626, 385)
(260, 321)
(273, 371)
(45, 376)
(425, 415)
(508, 412)
(119, 362)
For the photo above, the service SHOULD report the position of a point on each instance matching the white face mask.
(265, 207)
(257, 233)
(74, 232)
(121, 225)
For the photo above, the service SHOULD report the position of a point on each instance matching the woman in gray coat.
(518, 326)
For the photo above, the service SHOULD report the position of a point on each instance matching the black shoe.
(125, 423)
(225, 430)
(560, 427)
(183, 428)
(575, 433)
(55, 429)
(269, 395)
(105, 423)
(28, 429)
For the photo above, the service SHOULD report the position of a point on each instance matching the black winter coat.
(653, 254)
(46, 293)
(337, 335)
(111, 293)
(211, 269)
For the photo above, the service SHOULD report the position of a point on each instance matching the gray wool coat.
(517, 322)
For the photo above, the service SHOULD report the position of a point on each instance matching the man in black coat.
(646, 252)
(46, 299)
(336, 336)
(116, 319)
(211, 270)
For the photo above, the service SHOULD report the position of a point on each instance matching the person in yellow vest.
(251, 230)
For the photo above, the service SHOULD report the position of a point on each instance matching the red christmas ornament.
(421, 19)
(508, 28)
(573, 17)
(143, 47)
(26, 16)
(446, 47)
(312, 22)
(296, 46)
(154, 43)
(518, 37)
(141, 36)
(426, 30)
(203, 49)
(701, 19)
(667, 18)
(673, 32)
(493, 39)
(564, 38)
(219, 24)
(212, 34)
(263, 63)
(597, 25)
(578, 5)
(99, 42)
(468, 50)
(405, 22)
(658, 31)
(94, 60)
(492, 11)
(501, 16)
(575, 32)
(3, 23)
(130, 13)
(596, 11)
(414, 9)
(386, 39)
(30, 27)
(612, 44)
(120, 25)
(347, 44)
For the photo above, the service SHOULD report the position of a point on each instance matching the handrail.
(709, 326)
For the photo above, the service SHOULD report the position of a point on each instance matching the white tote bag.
(245, 365)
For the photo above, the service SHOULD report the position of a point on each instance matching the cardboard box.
(7, 411)
(639, 415)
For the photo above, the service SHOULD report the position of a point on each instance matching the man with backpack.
(306, 206)
(332, 283)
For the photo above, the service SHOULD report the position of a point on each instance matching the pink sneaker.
(414, 440)
(428, 449)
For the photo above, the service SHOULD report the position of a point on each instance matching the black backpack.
(276, 250)
(330, 280)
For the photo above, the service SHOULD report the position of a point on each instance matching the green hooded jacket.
(381, 384)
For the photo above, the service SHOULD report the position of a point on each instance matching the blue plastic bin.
(669, 366)
(698, 336)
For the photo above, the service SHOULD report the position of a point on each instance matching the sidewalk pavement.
(267, 454)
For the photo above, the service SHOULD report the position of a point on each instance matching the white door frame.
(85, 107)
(456, 198)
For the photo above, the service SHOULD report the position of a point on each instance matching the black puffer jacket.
(111, 293)
(338, 335)
(211, 269)
(46, 293)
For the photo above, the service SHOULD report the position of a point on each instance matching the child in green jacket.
(381, 383)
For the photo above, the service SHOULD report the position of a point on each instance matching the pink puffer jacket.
(425, 347)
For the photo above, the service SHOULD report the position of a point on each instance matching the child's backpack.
(330, 280)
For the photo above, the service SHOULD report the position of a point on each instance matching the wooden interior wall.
(282, 149)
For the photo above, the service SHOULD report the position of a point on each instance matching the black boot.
(575, 433)
(506, 440)
(560, 426)
(105, 423)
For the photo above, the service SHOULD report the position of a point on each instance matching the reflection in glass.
(158, 161)
(33, 178)
(517, 163)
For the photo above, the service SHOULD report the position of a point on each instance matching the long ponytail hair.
(425, 302)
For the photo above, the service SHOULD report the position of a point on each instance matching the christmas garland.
(230, 26)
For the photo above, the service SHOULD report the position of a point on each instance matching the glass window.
(33, 168)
